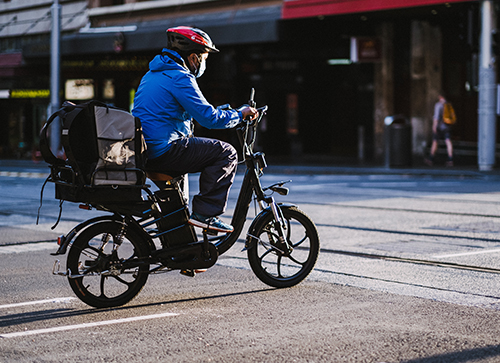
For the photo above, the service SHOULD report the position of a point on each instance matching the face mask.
(202, 67)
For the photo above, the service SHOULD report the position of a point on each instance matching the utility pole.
(487, 90)
(55, 73)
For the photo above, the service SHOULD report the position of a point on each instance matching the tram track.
(420, 234)
(383, 193)
(449, 265)
(412, 284)
(391, 209)
(414, 261)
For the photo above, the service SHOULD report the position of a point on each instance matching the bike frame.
(254, 162)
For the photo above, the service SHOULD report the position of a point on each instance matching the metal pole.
(55, 60)
(487, 90)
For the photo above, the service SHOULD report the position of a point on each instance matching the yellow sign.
(30, 93)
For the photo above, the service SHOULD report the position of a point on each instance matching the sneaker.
(211, 223)
(428, 161)
(449, 163)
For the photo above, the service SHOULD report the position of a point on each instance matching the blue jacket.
(167, 99)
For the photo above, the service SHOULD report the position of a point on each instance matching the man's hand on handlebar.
(248, 113)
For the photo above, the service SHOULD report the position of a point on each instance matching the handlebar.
(262, 111)
(247, 129)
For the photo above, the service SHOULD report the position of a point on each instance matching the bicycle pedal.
(210, 232)
(189, 273)
(192, 273)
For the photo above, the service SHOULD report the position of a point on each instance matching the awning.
(237, 26)
(293, 9)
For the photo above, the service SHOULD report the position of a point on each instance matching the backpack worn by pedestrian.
(449, 116)
(104, 154)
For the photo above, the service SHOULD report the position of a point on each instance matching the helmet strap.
(192, 67)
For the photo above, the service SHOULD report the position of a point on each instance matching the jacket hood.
(163, 62)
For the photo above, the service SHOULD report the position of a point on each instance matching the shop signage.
(109, 64)
(365, 49)
(30, 93)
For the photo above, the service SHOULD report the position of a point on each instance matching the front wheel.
(267, 259)
(106, 265)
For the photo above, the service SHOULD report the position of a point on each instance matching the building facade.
(297, 54)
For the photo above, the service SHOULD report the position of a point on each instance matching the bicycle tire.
(275, 268)
(92, 254)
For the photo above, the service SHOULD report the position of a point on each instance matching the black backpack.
(104, 154)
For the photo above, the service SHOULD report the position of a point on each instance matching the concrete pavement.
(347, 324)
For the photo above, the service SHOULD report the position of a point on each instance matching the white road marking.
(22, 174)
(468, 253)
(28, 247)
(36, 302)
(85, 325)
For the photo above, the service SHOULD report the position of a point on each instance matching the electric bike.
(111, 256)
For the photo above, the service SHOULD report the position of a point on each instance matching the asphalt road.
(408, 272)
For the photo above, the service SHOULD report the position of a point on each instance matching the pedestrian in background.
(440, 131)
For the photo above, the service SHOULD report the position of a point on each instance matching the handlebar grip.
(251, 102)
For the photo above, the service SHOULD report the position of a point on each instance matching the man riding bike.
(167, 100)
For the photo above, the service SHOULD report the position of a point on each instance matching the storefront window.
(79, 89)
(108, 89)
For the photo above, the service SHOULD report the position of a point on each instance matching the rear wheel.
(279, 268)
(105, 265)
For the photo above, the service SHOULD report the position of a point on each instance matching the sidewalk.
(278, 167)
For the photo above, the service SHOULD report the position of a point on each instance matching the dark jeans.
(215, 159)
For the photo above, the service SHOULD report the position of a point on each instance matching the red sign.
(366, 49)
(11, 60)
(309, 8)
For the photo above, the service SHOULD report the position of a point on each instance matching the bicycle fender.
(68, 237)
(251, 239)
(66, 240)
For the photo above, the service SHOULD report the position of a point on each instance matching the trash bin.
(398, 150)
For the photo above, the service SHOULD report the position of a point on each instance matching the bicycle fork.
(280, 227)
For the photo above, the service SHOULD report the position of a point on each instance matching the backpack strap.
(72, 112)
(47, 154)
(140, 151)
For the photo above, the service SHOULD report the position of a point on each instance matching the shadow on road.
(51, 314)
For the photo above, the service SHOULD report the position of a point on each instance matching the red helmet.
(186, 38)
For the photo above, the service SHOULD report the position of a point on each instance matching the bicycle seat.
(157, 176)
(162, 180)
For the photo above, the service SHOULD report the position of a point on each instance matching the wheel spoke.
(296, 261)
(268, 251)
(288, 229)
(278, 266)
(119, 279)
(300, 242)
(103, 278)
